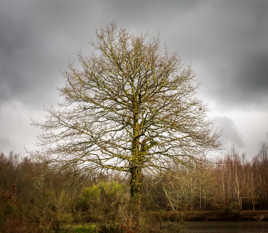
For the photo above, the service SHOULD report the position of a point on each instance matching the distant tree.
(129, 107)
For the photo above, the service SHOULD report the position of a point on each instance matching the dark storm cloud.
(12, 39)
(37, 40)
(25, 64)
(226, 38)
(254, 75)
(230, 43)
(243, 84)
(225, 41)
(151, 13)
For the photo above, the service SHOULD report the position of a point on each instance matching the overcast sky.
(225, 42)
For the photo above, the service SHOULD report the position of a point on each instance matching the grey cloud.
(229, 132)
(38, 38)
(224, 41)
(5, 144)
(254, 73)
(243, 84)
(24, 65)
(151, 12)
(233, 50)
(35, 47)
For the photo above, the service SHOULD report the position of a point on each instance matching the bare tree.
(129, 107)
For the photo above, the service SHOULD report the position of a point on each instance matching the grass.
(79, 228)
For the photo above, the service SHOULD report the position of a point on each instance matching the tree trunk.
(136, 195)
(135, 169)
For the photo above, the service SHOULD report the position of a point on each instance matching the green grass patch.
(80, 228)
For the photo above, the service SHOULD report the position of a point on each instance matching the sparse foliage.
(130, 108)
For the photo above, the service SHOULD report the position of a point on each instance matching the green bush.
(102, 201)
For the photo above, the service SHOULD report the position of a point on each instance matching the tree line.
(232, 182)
(38, 197)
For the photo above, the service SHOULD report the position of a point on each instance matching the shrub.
(102, 201)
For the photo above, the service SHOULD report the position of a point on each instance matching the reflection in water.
(226, 227)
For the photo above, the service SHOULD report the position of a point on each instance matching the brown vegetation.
(232, 183)
(36, 197)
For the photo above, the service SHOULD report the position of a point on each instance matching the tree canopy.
(128, 107)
